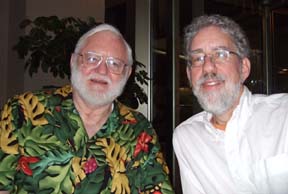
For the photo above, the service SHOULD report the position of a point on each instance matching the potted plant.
(49, 43)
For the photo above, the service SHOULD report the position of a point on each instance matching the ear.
(129, 71)
(73, 57)
(245, 70)
(188, 72)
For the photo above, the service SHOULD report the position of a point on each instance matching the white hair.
(102, 27)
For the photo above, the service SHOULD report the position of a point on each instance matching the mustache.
(210, 76)
(99, 77)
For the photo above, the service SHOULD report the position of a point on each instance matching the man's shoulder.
(129, 113)
(197, 119)
(273, 100)
(191, 129)
(32, 97)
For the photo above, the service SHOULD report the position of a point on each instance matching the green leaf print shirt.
(44, 148)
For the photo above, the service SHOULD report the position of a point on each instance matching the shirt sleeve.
(8, 147)
(151, 172)
(189, 182)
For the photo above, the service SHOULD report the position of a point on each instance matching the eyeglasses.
(114, 65)
(217, 56)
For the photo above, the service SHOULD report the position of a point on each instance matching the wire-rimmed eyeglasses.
(114, 65)
(197, 57)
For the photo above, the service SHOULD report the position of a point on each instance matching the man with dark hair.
(239, 143)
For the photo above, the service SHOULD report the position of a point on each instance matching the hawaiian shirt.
(44, 148)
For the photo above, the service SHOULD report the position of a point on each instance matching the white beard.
(94, 97)
(219, 101)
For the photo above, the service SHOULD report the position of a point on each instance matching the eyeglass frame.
(101, 60)
(211, 56)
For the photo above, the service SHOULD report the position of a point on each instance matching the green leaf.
(25, 23)
(58, 174)
(92, 183)
(35, 141)
(7, 166)
(124, 136)
(51, 158)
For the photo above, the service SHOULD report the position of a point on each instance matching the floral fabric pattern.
(44, 148)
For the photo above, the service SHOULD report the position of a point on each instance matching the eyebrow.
(213, 49)
(222, 47)
(196, 51)
(92, 52)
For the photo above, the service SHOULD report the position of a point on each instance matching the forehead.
(105, 42)
(210, 38)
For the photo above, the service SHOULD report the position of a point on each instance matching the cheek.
(116, 78)
(86, 70)
(234, 74)
(195, 75)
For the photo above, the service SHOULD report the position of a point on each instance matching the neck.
(93, 117)
(220, 121)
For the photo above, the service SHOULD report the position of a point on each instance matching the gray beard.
(220, 101)
(95, 98)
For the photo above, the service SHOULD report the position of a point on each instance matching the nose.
(102, 67)
(209, 65)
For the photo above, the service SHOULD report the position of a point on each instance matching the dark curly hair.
(226, 24)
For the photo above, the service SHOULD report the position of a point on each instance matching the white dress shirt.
(249, 157)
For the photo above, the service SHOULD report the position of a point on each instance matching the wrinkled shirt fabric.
(249, 157)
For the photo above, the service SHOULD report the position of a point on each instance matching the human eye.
(221, 54)
(114, 63)
(93, 59)
(197, 59)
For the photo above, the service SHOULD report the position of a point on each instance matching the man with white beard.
(239, 143)
(79, 138)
